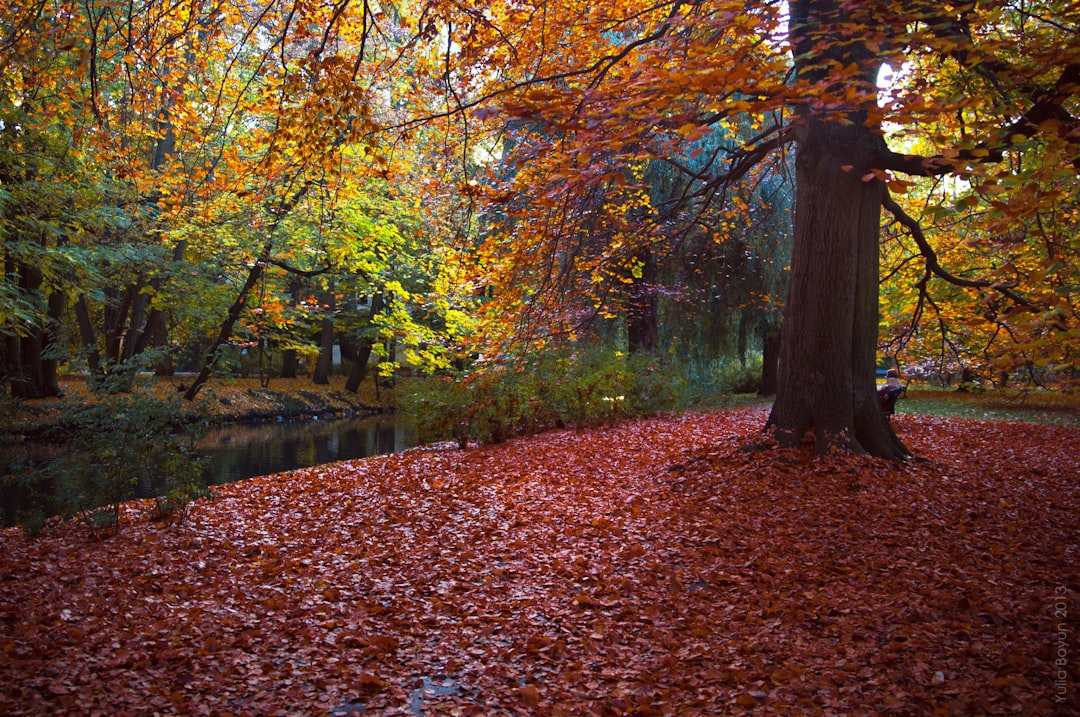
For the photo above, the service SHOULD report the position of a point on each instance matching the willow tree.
(617, 84)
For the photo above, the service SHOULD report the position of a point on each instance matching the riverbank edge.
(223, 401)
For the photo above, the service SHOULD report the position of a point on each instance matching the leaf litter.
(653, 567)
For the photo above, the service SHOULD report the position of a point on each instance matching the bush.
(580, 388)
(117, 443)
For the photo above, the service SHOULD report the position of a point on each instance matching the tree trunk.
(50, 360)
(32, 371)
(290, 360)
(641, 327)
(363, 353)
(321, 375)
(155, 333)
(829, 339)
(158, 331)
(87, 335)
(770, 357)
(359, 367)
(290, 363)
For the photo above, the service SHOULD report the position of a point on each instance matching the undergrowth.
(568, 388)
(124, 440)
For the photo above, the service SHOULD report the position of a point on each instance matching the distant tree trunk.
(829, 341)
(325, 364)
(321, 375)
(290, 360)
(87, 335)
(363, 352)
(290, 363)
(641, 325)
(155, 332)
(117, 307)
(347, 347)
(770, 358)
(134, 330)
(50, 360)
(31, 363)
(359, 369)
(741, 334)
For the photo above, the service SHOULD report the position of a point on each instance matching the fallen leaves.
(650, 568)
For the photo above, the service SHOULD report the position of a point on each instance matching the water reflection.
(237, 452)
(233, 453)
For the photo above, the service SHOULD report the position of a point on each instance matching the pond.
(236, 452)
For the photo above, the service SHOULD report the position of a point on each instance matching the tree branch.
(743, 163)
(934, 267)
(298, 271)
(1048, 106)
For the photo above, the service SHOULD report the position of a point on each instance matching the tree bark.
(290, 359)
(641, 325)
(770, 358)
(325, 365)
(363, 353)
(290, 364)
(829, 338)
(32, 371)
(50, 360)
(321, 375)
(155, 332)
(87, 335)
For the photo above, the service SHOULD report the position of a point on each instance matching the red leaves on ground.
(652, 568)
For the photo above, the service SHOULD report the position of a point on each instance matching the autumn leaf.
(580, 572)
(529, 695)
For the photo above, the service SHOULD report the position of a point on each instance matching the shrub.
(569, 387)
(117, 442)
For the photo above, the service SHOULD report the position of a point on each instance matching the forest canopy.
(814, 189)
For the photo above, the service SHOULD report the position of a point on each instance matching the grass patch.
(1053, 408)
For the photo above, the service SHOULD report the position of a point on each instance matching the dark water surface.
(236, 452)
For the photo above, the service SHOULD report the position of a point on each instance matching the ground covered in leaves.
(648, 568)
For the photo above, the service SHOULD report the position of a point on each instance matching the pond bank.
(240, 400)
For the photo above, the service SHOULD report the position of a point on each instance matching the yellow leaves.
(693, 132)
(991, 188)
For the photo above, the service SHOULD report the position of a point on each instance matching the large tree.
(612, 86)
(843, 164)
